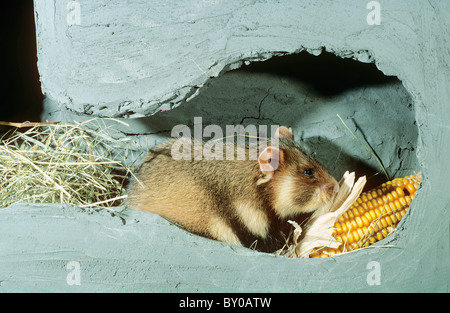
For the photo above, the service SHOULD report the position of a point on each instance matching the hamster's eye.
(309, 172)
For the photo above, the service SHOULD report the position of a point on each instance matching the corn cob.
(373, 216)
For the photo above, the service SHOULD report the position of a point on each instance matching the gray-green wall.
(139, 58)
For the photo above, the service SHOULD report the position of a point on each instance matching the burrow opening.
(326, 100)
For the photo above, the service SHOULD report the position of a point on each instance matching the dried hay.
(71, 164)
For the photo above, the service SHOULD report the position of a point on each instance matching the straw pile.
(71, 164)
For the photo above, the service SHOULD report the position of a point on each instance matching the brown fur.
(231, 200)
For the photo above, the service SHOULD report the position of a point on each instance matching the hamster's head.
(298, 183)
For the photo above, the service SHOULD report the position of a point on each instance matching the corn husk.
(318, 231)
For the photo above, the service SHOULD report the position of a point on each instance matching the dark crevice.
(326, 74)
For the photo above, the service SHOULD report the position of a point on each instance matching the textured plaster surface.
(145, 57)
(137, 59)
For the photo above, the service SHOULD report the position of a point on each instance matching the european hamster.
(242, 202)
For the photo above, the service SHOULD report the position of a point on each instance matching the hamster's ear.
(269, 160)
(283, 132)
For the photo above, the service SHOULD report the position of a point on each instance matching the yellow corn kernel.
(373, 216)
